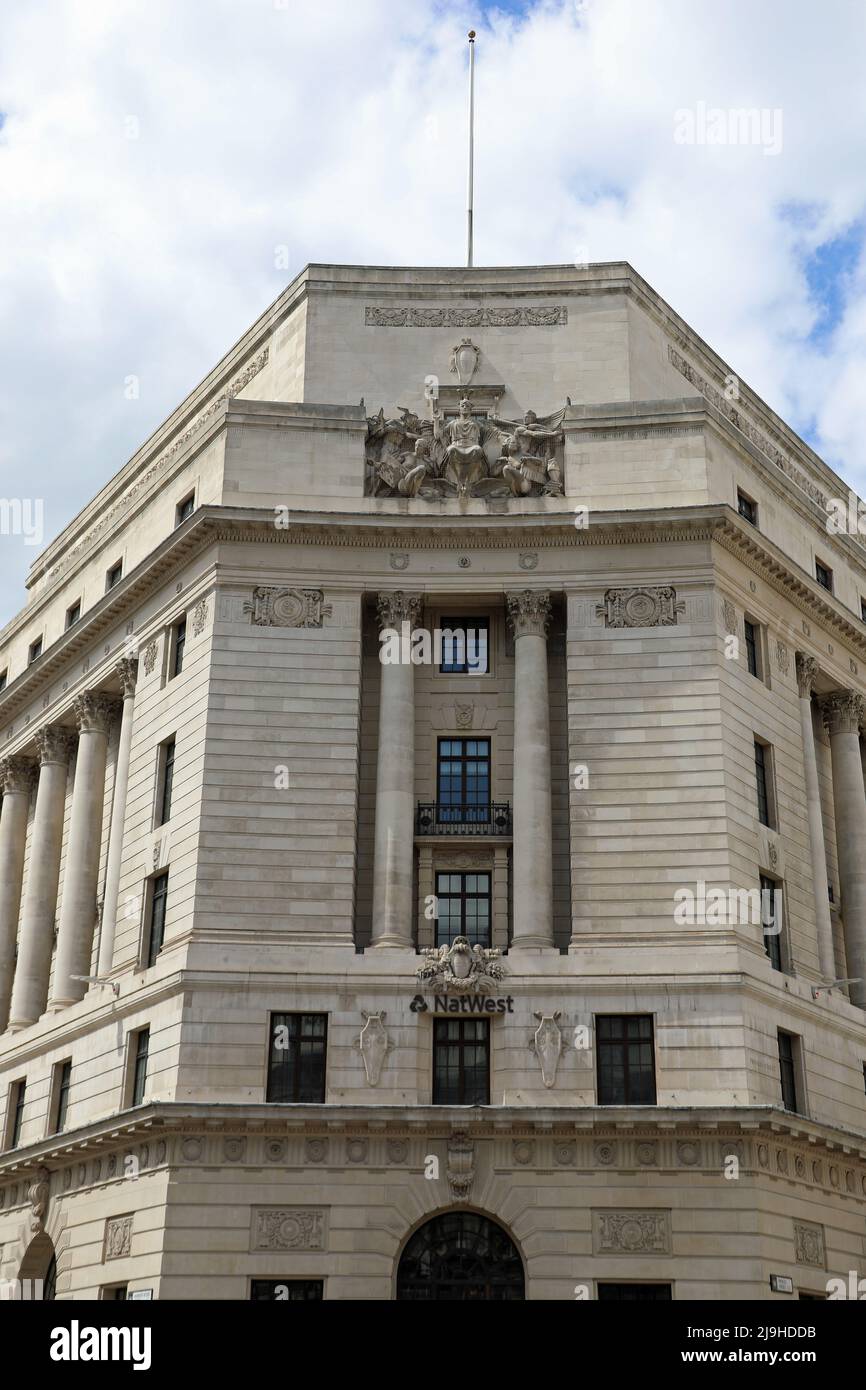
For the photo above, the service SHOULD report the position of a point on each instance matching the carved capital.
(127, 674)
(396, 607)
(16, 775)
(807, 674)
(94, 712)
(54, 744)
(529, 612)
(843, 711)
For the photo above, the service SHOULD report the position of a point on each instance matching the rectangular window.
(178, 644)
(15, 1112)
(465, 646)
(115, 1293)
(297, 1058)
(34, 651)
(788, 1044)
(764, 784)
(73, 613)
(747, 508)
(461, 1061)
(626, 1059)
(463, 908)
(771, 920)
(287, 1290)
(165, 781)
(62, 1083)
(156, 917)
(184, 509)
(753, 648)
(114, 575)
(824, 575)
(652, 1293)
(141, 1045)
(463, 780)
(3, 678)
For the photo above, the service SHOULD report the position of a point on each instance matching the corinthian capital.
(127, 674)
(54, 743)
(807, 674)
(16, 775)
(529, 612)
(843, 711)
(94, 712)
(396, 607)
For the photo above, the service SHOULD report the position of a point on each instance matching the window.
(824, 576)
(156, 917)
(297, 1056)
(34, 651)
(184, 509)
(863, 610)
(62, 1082)
(764, 783)
(463, 908)
(3, 678)
(465, 646)
(73, 613)
(747, 508)
(141, 1047)
(788, 1060)
(463, 779)
(115, 1293)
(178, 644)
(286, 1290)
(461, 1061)
(626, 1059)
(657, 1293)
(165, 781)
(114, 575)
(753, 648)
(771, 920)
(15, 1112)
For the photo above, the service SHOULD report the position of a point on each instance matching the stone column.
(532, 855)
(395, 781)
(36, 938)
(16, 782)
(127, 670)
(94, 713)
(807, 671)
(843, 712)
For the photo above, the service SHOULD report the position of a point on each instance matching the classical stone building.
(433, 826)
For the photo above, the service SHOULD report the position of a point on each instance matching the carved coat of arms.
(461, 968)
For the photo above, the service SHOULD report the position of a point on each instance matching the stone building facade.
(388, 788)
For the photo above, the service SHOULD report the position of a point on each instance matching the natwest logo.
(464, 1004)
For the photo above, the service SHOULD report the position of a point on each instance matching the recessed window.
(156, 917)
(753, 648)
(771, 920)
(184, 509)
(3, 678)
(789, 1060)
(465, 646)
(461, 1061)
(15, 1112)
(287, 1290)
(863, 610)
(61, 1083)
(115, 1293)
(73, 613)
(824, 576)
(647, 1293)
(139, 1051)
(747, 508)
(34, 651)
(764, 784)
(463, 780)
(625, 1059)
(177, 649)
(463, 908)
(296, 1058)
(164, 781)
(114, 575)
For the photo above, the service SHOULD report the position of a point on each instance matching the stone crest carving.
(37, 1196)
(199, 617)
(782, 656)
(809, 1244)
(546, 1043)
(641, 607)
(461, 1166)
(461, 968)
(149, 659)
(374, 1045)
(407, 317)
(631, 1232)
(463, 715)
(275, 607)
(288, 1228)
(464, 361)
(729, 614)
(118, 1237)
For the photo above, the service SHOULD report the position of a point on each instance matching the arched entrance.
(460, 1256)
(39, 1266)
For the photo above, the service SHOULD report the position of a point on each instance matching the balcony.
(435, 818)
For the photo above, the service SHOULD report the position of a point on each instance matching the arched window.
(460, 1256)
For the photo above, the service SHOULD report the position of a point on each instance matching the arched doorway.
(39, 1266)
(460, 1256)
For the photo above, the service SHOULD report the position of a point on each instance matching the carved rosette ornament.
(127, 674)
(843, 711)
(277, 607)
(640, 607)
(396, 607)
(54, 744)
(807, 674)
(16, 775)
(94, 712)
(529, 613)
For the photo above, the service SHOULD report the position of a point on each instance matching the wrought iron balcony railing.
(437, 818)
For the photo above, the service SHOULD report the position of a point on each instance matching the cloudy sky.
(167, 166)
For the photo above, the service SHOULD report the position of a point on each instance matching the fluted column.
(36, 938)
(94, 713)
(843, 712)
(395, 782)
(127, 670)
(807, 672)
(529, 613)
(16, 782)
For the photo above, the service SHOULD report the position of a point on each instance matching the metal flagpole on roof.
(471, 144)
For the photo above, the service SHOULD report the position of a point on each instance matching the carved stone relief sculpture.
(461, 968)
(547, 1045)
(374, 1045)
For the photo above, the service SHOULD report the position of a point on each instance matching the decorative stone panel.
(640, 607)
(118, 1237)
(275, 607)
(288, 1228)
(809, 1244)
(541, 316)
(631, 1232)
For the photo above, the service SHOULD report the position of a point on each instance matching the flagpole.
(471, 145)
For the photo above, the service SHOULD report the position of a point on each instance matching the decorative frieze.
(408, 316)
(288, 1228)
(272, 606)
(631, 1232)
(647, 606)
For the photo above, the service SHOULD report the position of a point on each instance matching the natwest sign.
(464, 1004)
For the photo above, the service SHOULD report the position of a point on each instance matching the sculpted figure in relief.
(529, 457)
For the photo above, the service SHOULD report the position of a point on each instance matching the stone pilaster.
(807, 673)
(36, 938)
(529, 613)
(17, 776)
(395, 783)
(127, 671)
(843, 712)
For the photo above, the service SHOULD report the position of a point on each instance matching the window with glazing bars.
(461, 1061)
(626, 1059)
(463, 908)
(296, 1059)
